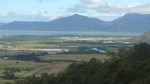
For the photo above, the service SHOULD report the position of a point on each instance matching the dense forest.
(131, 66)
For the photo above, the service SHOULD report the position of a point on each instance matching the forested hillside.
(143, 38)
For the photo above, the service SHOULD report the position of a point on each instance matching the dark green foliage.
(8, 75)
(29, 57)
(129, 67)
(142, 51)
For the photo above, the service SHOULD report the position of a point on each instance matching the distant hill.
(77, 23)
(132, 22)
(71, 23)
(143, 38)
(23, 25)
(1, 23)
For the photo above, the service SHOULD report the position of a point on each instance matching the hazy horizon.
(47, 10)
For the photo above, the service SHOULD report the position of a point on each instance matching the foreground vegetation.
(129, 67)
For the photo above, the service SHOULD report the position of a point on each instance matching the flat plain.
(11, 45)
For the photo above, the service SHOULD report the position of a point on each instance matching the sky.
(47, 10)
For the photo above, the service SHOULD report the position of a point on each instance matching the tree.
(8, 75)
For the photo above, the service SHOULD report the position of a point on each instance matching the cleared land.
(76, 57)
(14, 45)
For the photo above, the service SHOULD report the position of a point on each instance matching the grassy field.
(52, 41)
(37, 68)
(76, 57)
(34, 68)
(6, 81)
(13, 45)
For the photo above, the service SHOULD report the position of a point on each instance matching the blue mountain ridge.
(132, 22)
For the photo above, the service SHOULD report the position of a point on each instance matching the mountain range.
(132, 22)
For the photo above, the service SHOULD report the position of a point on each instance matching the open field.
(42, 42)
(76, 57)
(20, 64)
(6, 81)
(33, 66)
(29, 68)
(11, 45)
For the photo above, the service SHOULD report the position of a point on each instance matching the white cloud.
(41, 1)
(92, 8)
(32, 16)
(92, 4)
(35, 13)
(134, 5)
(139, 8)
(100, 6)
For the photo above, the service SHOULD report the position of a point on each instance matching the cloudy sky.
(47, 10)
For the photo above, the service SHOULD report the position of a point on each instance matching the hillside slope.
(132, 22)
(143, 38)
